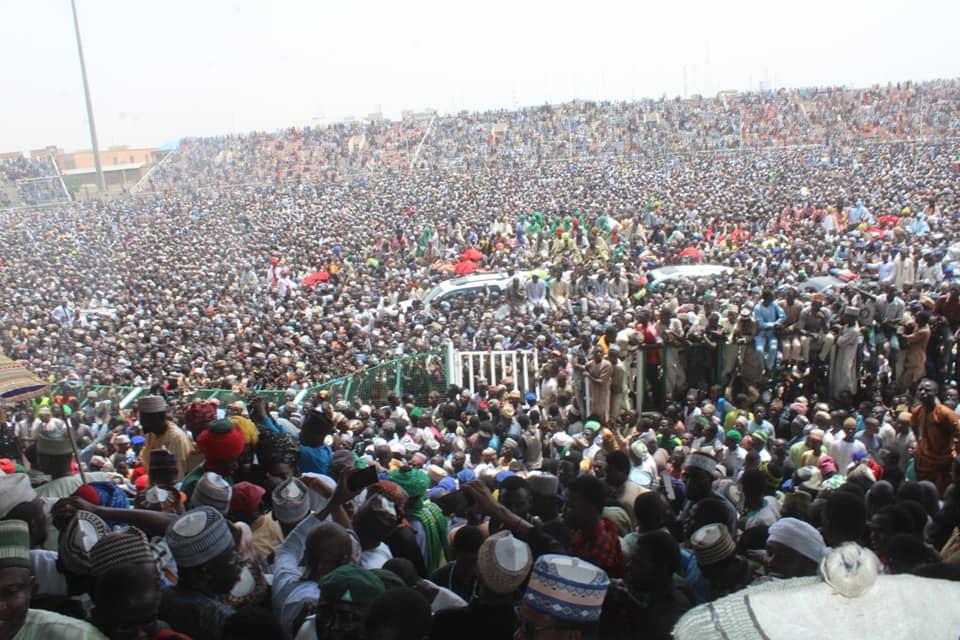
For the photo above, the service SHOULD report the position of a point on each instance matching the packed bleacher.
(30, 182)
(704, 457)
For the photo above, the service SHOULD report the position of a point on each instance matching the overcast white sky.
(160, 70)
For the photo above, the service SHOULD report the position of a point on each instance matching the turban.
(198, 416)
(250, 435)
(800, 536)
(413, 481)
(221, 440)
(277, 448)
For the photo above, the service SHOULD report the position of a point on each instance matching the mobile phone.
(362, 479)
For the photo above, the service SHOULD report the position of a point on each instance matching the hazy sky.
(160, 70)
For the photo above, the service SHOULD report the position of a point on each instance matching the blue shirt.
(315, 459)
(768, 316)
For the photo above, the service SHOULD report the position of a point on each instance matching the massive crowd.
(798, 430)
(30, 182)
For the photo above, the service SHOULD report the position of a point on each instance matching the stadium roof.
(107, 169)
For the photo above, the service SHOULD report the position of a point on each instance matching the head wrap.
(198, 416)
(120, 548)
(212, 490)
(566, 588)
(800, 536)
(222, 439)
(413, 481)
(250, 433)
(198, 536)
(277, 448)
(14, 544)
(291, 501)
(77, 539)
(712, 544)
(503, 562)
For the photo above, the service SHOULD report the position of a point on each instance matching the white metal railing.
(146, 176)
(63, 185)
(466, 368)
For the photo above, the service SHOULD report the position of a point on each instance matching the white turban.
(799, 536)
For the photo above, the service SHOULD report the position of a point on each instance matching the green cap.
(54, 443)
(350, 583)
(14, 544)
(592, 425)
(735, 435)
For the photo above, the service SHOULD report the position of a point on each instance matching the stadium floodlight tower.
(86, 94)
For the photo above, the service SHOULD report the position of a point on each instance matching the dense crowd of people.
(784, 429)
(30, 182)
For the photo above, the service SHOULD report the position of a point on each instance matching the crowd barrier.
(417, 374)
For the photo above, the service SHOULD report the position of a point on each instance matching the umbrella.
(314, 278)
(17, 383)
(471, 254)
(464, 267)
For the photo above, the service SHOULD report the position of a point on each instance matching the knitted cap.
(54, 443)
(212, 490)
(503, 562)
(698, 460)
(152, 404)
(198, 536)
(77, 539)
(712, 544)
(291, 501)
(566, 588)
(15, 489)
(14, 544)
(222, 439)
(121, 548)
(162, 460)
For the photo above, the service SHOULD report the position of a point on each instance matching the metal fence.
(417, 374)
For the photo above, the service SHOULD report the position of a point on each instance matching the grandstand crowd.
(708, 457)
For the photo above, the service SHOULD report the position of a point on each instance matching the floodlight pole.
(86, 94)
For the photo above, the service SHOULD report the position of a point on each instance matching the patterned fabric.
(566, 588)
(14, 544)
(77, 539)
(601, 546)
(120, 548)
(435, 526)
